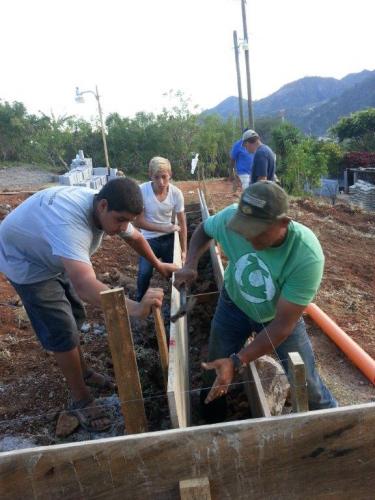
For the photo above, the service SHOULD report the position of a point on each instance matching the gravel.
(22, 178)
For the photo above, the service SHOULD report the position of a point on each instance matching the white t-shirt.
(53, 223)
(160, 212)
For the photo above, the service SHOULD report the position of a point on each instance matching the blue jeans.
(230, 329)
(162, 247)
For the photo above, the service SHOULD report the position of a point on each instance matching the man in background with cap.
(242, 161)
(274, 270)
(264, 164)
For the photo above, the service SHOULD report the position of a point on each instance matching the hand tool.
(186, 305)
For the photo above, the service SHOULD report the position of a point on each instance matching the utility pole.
(235, 42)
(247, 63)
(103, 132)
(79, 98)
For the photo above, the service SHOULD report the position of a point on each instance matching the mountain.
(303, 93)
(311, 103)
(355, 98)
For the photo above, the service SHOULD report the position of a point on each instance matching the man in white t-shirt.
(46, 245)
(161, 200)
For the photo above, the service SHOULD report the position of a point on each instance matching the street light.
(80, 99)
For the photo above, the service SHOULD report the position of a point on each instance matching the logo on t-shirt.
(254, 279)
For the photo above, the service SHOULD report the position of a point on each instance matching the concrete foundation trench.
(218, 461)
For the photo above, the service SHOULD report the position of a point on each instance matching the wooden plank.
(297, 380)
(254, 392)
(178, 368)
(217, 264)
(162, 342)
(325, 454)
(195, 489)
(124, 361)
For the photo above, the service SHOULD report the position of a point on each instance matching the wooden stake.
(297, 379)
(195, 489)
(162, 343)
(124, 361)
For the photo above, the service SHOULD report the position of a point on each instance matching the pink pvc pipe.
(355, 353)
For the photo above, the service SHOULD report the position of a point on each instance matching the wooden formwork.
(324, 454)
(313, 455)
(178, 368)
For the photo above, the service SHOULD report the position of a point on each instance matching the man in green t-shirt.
(274, 270)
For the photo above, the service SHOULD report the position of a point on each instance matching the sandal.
(106, 383)
(87, 411)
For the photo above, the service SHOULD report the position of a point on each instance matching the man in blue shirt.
(264, 163)
(242, 161)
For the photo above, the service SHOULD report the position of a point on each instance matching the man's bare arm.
(181, 218)
(287, 315)
(199, 243)
(139, 243)
(88, 287)
(142, 223)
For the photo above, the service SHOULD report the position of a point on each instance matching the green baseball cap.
(261, 205)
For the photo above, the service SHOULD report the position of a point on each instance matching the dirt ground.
(32, 390)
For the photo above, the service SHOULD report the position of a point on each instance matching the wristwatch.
(237, 363)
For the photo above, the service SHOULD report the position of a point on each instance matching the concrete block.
(66, 180)
(99, 171)
(97, 182)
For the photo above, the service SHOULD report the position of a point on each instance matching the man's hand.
(171, 228)
(224, 376)
(153, 297)
(166, 269)
(185, 277)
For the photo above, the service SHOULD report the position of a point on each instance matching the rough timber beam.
(120, 340)
(316, 455)
(217, 265)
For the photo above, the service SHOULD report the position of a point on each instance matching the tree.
(335, 155)
(306, 164)
(15, 131)
(357, 131)
(284, 137)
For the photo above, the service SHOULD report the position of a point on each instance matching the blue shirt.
(264, 164)
(243, 159)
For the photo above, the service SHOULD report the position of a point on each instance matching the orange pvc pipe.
(356, 354)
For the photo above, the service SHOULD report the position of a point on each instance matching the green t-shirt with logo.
(255, 279)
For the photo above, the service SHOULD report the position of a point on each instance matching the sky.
(137, 50)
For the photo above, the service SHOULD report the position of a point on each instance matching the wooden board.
(297, 378)
(195, 489)
(326, 454)
(254, 392)
(120, 341)
(178, 368)
(162, 343)
(217, 264)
